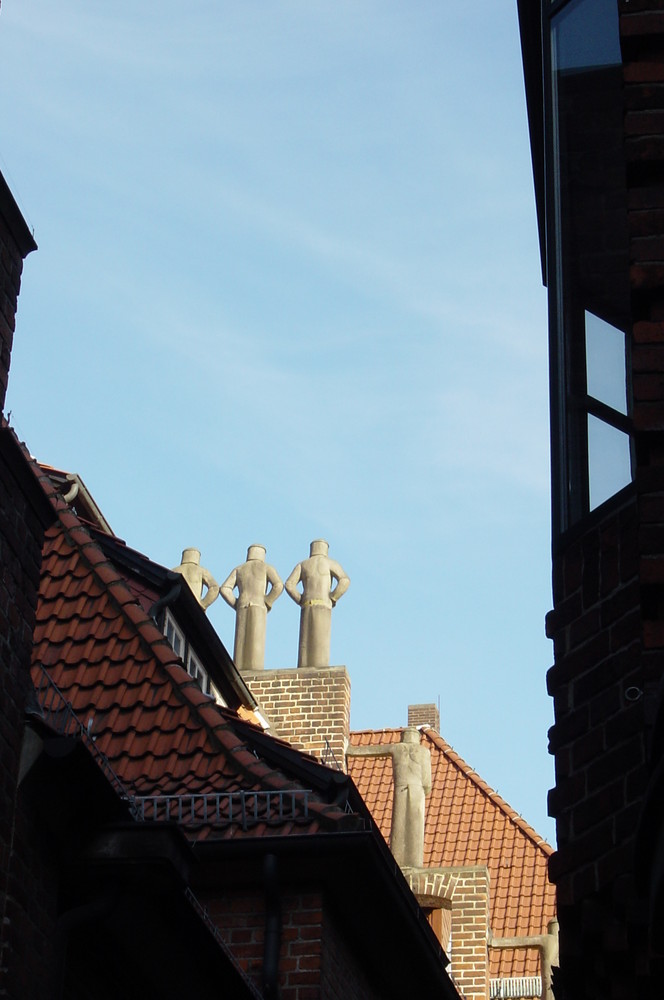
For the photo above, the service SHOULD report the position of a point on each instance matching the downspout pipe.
(272, 941)
(164, 601)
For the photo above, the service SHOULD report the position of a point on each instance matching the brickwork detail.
(315, 962)
(306, 707)
(470, 924)
(434, 882)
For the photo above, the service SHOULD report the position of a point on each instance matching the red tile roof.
(467, 823)
(161, 734)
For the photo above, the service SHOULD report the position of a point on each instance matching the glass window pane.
(609, 462)
(586, 35)
(605, 363)
(173, 634)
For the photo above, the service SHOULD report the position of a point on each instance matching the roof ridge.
(382, 729)
(458, 761)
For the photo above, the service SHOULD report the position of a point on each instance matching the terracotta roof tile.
(161, 734)
(467, 823)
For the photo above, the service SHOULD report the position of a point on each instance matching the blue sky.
(288, 287)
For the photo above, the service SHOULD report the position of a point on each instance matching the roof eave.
(366, 886)
(530, 29)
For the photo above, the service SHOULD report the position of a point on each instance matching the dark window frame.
(570, 403)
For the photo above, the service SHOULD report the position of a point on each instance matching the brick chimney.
(424, 715)
(308, 706)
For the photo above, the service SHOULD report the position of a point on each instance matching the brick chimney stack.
(424, 715)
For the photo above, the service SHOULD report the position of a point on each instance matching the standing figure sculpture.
(411, 764)
(258, 586)
(198, 578)
(316, 601)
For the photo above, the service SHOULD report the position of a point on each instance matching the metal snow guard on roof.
(225, 808)
(245, 808)
(523, 986)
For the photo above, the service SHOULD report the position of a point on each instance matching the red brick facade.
(470, 920)
(316, 960)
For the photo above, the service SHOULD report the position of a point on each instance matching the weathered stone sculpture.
(318, 597)
(411, 763)
(258, 586)
(198, 578)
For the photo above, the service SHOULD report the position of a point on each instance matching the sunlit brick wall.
(470, 923)
(308, 707)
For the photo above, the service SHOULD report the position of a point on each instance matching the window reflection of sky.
(585, 35)
(605, 361)
(609, 463)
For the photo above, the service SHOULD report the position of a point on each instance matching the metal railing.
(243, 808)
(225, 808)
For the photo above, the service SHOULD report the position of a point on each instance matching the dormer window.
(191, 661)
(174, 634)
(196, 670)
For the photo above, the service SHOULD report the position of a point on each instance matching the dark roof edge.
(24, 473)
(367, 887)
(530, 30)
(16, 224)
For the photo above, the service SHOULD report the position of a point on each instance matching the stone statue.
(411, 763)
(198, 578)
(316, 602)
(258, 586)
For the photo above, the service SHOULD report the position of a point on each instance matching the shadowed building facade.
(594, 73)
